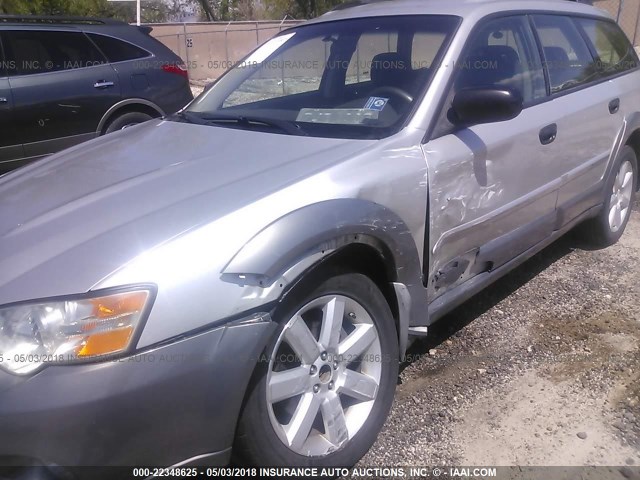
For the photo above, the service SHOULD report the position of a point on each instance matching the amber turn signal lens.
(110, 328)
(123, 304)
(106, 343)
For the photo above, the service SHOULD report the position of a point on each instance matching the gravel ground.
(542, 369)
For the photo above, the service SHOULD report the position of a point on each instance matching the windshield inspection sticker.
(376, 103)
(337, 116)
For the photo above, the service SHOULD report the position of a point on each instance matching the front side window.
(503, 53)
(615, 52)
(355, 78)
(567, 56)
(31, 52)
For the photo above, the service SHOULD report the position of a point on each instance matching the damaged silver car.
(239, 281)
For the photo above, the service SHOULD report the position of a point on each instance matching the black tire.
(597, 231)
(126, 120)
(258, 444)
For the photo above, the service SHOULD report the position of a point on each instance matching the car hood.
(71, 220)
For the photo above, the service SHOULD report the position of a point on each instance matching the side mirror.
(475, 106)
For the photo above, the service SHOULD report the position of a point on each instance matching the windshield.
(355, 78)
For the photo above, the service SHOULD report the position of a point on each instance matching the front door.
(493, 187)
(62, 86)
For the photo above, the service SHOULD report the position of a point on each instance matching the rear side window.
(615, 53)
(31, 52)
(567, 55)
(117, 50)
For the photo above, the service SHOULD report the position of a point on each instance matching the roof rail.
(58, 20)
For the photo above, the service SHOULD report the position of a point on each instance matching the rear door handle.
(614, 106)
(4, 100)
(103, 84)
(548, 134)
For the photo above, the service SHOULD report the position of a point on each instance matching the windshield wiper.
(248, 121)
(191, 118)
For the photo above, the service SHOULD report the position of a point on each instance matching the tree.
(154, 10)
(301, 9)
(163, 10)
(207, 10)
(16, 7)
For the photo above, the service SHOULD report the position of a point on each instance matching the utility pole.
(138, 9)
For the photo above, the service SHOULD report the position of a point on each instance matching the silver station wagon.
(240, 281)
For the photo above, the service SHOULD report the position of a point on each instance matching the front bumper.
(172, 404)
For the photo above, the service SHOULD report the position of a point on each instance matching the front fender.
(317, 230)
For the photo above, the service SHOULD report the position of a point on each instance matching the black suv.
(67, 80)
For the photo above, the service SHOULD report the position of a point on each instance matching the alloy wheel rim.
(620, 203)
(324, 375)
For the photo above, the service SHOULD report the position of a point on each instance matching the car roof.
(467, 9)
(87, 24)
(139, 35)
(54, 20)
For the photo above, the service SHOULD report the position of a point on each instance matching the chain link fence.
(209, 49)
(626, 13)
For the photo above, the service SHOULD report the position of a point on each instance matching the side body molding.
(324, 228)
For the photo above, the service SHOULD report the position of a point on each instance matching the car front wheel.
(324, 389)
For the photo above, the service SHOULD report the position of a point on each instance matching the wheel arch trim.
(630, 129)
(280, 254)
(125, 103)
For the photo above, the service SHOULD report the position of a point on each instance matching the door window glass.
(32, 52)
(567, 56)
(116, 50)
(615, 53)
(504, 54)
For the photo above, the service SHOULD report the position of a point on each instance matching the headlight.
(70, 329)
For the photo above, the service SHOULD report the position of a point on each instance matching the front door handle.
(614, 106)
(548, 134)
(103, 84)
(4, 100)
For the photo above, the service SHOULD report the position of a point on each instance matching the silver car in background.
(240, 281)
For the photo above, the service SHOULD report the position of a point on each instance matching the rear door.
(585, 109)
(10, 146)
(62, 86)
(616, 58)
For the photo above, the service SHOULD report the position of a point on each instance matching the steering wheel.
(394, 92)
